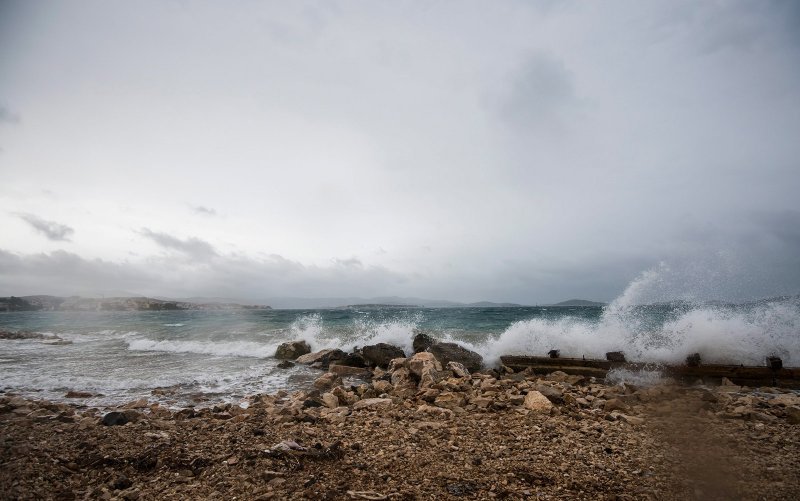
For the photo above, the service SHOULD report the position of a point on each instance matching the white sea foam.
(174, 325)
(310, 328)
(226, 348)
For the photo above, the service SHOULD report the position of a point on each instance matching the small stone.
(373, 403)
(330, 400)
(615, 404)
(120, 483)
(481, 402)
(137, 404)
(116, 418)
(537, 402)
(632, 420)
(436, 411)
(382, 386)
(78, 394)
(327, 381)
(458, 369)
(450, 400)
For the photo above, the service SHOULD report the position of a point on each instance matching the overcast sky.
(508, 151)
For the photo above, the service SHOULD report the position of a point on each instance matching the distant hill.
(77, 303)
(578, 302)
(293, 303)
(489, 304)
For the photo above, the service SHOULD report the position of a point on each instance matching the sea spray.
(356, 333)
(664, 332)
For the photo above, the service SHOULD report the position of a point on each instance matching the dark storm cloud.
(193, 246)
(54, 231)
(8, 116)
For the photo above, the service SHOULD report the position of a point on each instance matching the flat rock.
(344, 370)
(322, 357)
(449, 400)
(451, 352)
(78, 394)
(373, 403)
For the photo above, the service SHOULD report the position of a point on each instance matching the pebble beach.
(415, 430)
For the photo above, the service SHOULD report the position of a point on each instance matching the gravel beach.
(415, 432)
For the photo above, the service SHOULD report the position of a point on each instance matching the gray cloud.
(526, 153)
(65, 273)
(54, 231)
(204, 211)
(541, 92)
(759, 257)
(8, 116)
(193, 246)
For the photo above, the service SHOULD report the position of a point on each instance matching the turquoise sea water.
(208, 356)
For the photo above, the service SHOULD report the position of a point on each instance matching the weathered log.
(526, 361)
(773, 373)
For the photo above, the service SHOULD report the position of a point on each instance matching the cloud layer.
(524, 152)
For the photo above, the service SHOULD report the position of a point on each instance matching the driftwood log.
(771, 374)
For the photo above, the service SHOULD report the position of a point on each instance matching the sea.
(201, 358)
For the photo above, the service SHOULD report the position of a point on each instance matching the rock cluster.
(379, 355)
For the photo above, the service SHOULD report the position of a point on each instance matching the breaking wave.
(662, 333)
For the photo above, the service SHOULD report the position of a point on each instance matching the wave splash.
(398, 332)
(662, 333)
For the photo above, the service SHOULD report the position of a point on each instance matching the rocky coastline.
(415, 427)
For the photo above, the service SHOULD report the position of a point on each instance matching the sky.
(515, 151)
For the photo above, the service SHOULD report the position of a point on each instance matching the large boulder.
(423, 363)
(381, 354)
(425, 366)
(292, 349)
(355, 359)
(451, 352)
(322, 357)
(422, 342)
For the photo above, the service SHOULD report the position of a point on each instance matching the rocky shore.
(415, 430)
